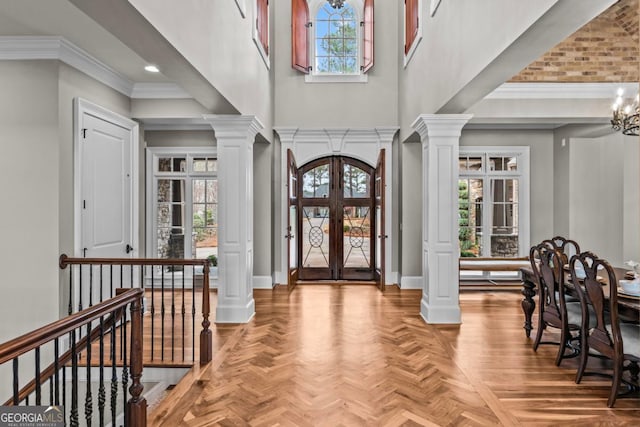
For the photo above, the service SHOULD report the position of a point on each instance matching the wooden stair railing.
(107, 313)
(165, 281)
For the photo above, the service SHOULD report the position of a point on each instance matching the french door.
(336, 220)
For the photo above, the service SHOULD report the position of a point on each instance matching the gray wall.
(370, 104)
(29, 184)
(596, 195)
(217, 41)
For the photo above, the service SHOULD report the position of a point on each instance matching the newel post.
(136, 413)
(206, 338)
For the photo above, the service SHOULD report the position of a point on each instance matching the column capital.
(435, 125)
(286, 134)
(233, 126)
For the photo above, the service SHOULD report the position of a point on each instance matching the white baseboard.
(411, 282)
(262, 282)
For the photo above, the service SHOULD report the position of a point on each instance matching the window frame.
(408, 53)
(189, 175)
(262, 50)
(314, 76)
(522, 174)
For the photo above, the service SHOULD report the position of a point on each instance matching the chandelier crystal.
(626, 117)
(336, 4)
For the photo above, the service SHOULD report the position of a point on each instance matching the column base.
(447, 314)
(236, 314)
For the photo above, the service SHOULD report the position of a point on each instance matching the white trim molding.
(561, 90)
(19, 48)
(411, 282)
(262, 282)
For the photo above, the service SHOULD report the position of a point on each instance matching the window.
(412, 29)
(261, 29)
(337, 45)
(182, 203)
(493, 201)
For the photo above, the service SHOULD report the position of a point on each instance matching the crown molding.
(59, 48)
(158, 91)
(605, 90)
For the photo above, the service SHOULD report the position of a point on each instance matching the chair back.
(604, 336)
(566, 247)
(547, 263)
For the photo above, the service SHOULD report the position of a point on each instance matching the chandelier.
(336, 4)
(626, 116)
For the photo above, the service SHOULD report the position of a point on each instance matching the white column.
(235, 136)
(440, 136)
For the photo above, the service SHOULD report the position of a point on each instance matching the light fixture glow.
(152, 68)
(626, 117)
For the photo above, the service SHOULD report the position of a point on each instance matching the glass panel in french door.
(315, 236)
(470, 199)
(204, 242)
(170, 218)
(504, 218)
(356, 235)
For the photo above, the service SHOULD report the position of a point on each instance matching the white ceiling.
(61, 18)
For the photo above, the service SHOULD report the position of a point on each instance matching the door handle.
(128, 248)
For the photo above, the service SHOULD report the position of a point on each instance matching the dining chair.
(603, 331)
(553, 309)
(566, 247)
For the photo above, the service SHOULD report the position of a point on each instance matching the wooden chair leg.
(563, 345)
(584, 357)
(615, 384)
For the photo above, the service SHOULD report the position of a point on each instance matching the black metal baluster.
(51, 400)
(70, 310)
(26, 400)
(16, 388)
(183, 310)
(88, 400)
(153, 308)
(80, 289)
(56, 367)
(162, 317)
(101, 390)
(101, 284)
(173, 310)
(38, 385)
(114, 375)
(125, 372)
(111, 280)
(193, 316)
(74, 381)
(64, 390)
(90, 285)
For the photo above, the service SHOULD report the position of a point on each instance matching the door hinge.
(84, 204)
(418, 22)
(84, 252)
(362, 23)
(309, 24)
(84, 133)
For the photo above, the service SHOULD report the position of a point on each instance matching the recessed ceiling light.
(152, 69)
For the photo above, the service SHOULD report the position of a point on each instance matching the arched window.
(332, 41)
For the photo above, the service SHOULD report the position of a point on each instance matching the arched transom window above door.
(332, 43)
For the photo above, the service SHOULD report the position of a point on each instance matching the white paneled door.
(105, 190)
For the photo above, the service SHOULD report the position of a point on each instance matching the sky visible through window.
(336, 40)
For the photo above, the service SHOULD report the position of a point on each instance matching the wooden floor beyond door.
(353, 356)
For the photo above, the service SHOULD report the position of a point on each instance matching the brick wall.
(604, 50)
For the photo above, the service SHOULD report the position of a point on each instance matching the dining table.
(628, 305)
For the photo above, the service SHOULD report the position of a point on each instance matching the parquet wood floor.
(351, 356)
